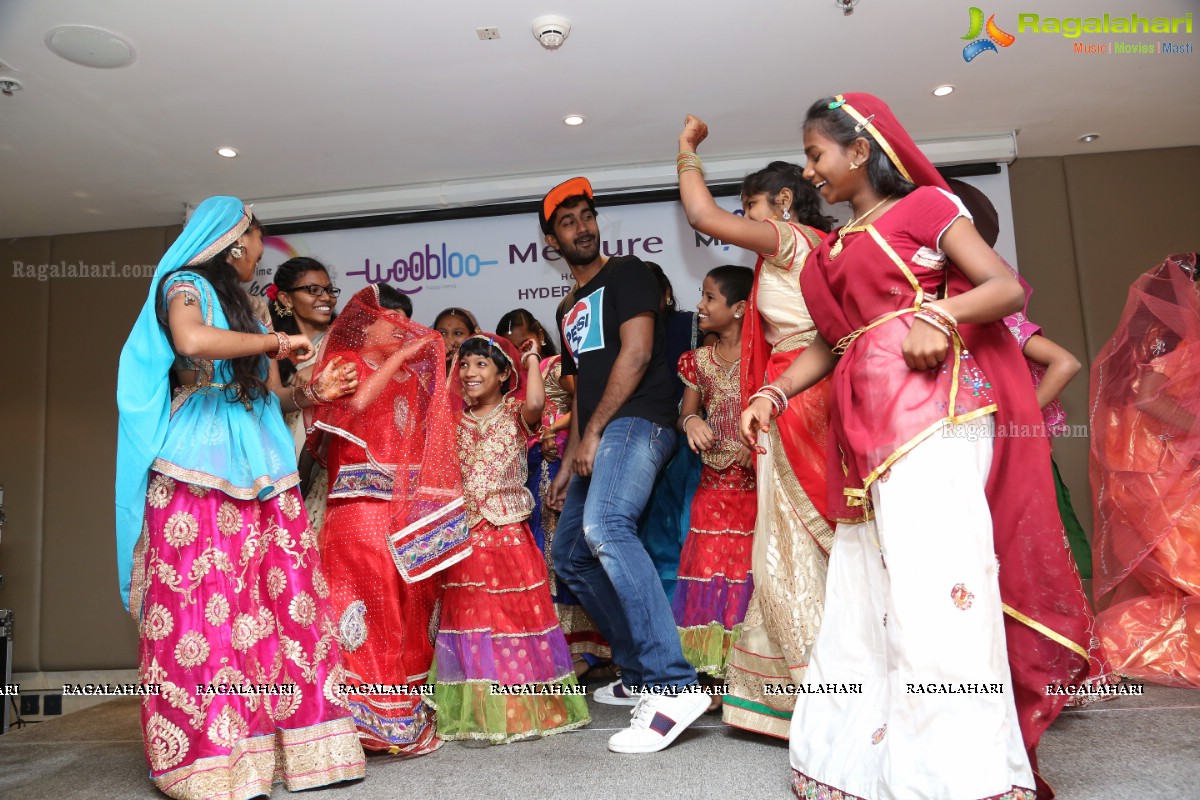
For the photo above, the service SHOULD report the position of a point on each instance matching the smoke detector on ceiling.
(551, 31)
(10, 85)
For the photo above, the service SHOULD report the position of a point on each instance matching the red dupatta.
(803, 426)
(400, 417)
(1048, 622)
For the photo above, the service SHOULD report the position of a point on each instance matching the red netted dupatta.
(400, 422)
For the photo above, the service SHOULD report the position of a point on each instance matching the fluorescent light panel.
(1001, 148)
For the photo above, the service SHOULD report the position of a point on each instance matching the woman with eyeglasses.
(303, 300)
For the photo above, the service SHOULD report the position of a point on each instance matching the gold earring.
(237, 251)
(282, 310)
(853, 165)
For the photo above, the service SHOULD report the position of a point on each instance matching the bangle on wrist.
(775, 395)
(283, 346)
(779, 397)
(310, 391)
(943, 314)
(683, 423)
(688, 161)
(931, 320)
(769, 399)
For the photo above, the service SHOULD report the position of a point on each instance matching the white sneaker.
(617, 694)
(657, 721)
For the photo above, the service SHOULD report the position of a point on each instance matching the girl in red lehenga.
(394, 516)
(792, 537)
(952, 602)
(1145, 472)
(504, 670)
(715, 582)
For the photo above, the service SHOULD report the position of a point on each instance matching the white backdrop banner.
(492, 265)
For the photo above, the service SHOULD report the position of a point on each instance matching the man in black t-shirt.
(622, 433)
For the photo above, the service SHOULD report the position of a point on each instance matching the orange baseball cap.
(554, 198)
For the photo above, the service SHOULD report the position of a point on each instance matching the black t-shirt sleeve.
(635, 291)
(568, 362)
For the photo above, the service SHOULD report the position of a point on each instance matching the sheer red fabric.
(803, 428)
(1145, 473)
(400, 425)
(1048, 623)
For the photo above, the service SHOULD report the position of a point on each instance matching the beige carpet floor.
(1132, 747)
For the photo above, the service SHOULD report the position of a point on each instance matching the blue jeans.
(598, 553)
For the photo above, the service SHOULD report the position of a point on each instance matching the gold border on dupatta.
(877, 136)
(858, 497)
(224, 240)
(203, 479)
(137, 578)
(816, 525)
(1049, 633)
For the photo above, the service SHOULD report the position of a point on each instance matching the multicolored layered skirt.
(503, 668)
(715, 578)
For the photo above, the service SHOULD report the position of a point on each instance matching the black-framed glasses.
(316, 290)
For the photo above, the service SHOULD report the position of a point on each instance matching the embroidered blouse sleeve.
(262, 314)
(792, 247)
(1021, 327)
(192, 286)
(688, 371)
(514, 407)
(185, 287)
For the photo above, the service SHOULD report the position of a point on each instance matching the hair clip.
(837, 104)
(859, 127)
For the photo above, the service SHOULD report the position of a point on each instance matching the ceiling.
(356, 94)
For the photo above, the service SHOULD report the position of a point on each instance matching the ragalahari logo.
(995, 36)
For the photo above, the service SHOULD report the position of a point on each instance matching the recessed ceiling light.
(89, 46)
(943, 90)
(573, 119)
(1088, 138)
(228, 152)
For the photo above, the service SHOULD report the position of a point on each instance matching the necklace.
(849, 227)
(729, 366)
(471, 413)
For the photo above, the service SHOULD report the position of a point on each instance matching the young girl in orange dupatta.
(952, 603)
(792, 536)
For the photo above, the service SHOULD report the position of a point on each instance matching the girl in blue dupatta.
(217, 560)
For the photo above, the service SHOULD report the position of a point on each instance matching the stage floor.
(1130, 747)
